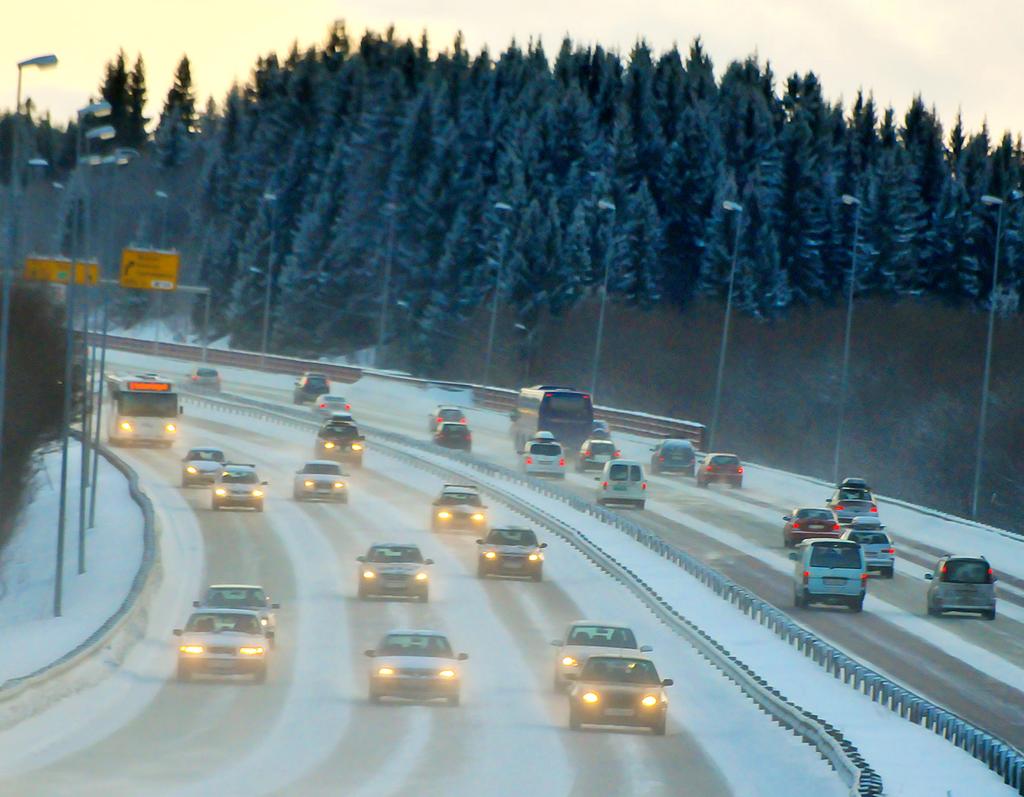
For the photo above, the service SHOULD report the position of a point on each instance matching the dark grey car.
(673, 456)
(962, 584)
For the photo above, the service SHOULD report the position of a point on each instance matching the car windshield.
(147, 405)
(238, 477)
(394, 553)
(235, 597)
(602, 636)
(602, 448)
(216, 623)
(205, 455)
(967, 571)
(854, 494)
(604, 670)
(322, 468)
(846, 557)
(339, 430)
(545, 449)
(512, 537)
(869, 537)
(814, 514)
(455, 499)
(415, 645)
(725, 459)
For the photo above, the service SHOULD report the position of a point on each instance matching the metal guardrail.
(144, 579)
(496, 398)
(842, 755)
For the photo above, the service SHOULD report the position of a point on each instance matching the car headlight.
(357, 446)
(535, 557)
(447, 674)
(193, 650)
(309, 483)
(385, 671)
(444, 514)
(649, 701)
(124, 426)
(490, 555)
(192, 469)
(421, 576)
(171, 427)
(257, 493)
(477, 516)
(569, 661)
(263, 621)
(339, 485)
(369, 574)
(328, 444)
(221, 491)
(251, 650)
(590, 697)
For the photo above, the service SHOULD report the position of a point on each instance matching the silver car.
(326, 405)
(201, 465)
(594, 453)
(543, 457)
(320, 480)
(243, 596)
(878, 547)
(237, 485)
(851, 502)
(395, 570)
(586, 638)
(417, 664)
(222, 642)
(962, 584)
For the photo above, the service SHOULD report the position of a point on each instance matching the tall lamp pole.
(501, 207)
(162, 197)
(39, 62)
(270, 198)
(608, 205)
(848, 200)
(991, 201)
(729, 207)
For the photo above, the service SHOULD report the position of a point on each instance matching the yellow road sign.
(57, 269)
(149, 269)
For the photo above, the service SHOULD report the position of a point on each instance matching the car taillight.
(616, 455)
(348, 406)
(863, 576)
(643, 486)
(839, 507)
(661, 458)
(796, 525)
(195, 378)
(710, 468)
(874, 508)
(586, 454)
(835, 527)
(529, 460)
(942, 570)
(893, 550)
(807, 576)
(561, 462)
(440, 420)
(604, 485)
(739, 469)
(462, 420)
(323, 406)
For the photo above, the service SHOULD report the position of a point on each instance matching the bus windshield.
(147, 405)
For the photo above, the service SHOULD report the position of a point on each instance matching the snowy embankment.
(32, 637)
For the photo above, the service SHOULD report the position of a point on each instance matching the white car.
(586, 638)
(320, 480)
(201, 465)
(237, 485)
(326, 405)
(543, 457)
(622, 482)
(415, 664)
(222, 642)
(243, 596)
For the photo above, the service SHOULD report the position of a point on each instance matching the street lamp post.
(608, 205)
(502, 207)
(848, 200)
(729, 207)
(991, 201)
(264, 336)
(163, 199)
(39, 62)
(390, 209)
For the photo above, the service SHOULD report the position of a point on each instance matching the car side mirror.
(569, 676)
(479, 542)
(928, 576)
(177, 632)
(646, 648)
(360, 558)
(463, 656)
(195, 604)
(667, 682)
(556, 643)
(428, 561)
(787, 518)
(275, 606)
(370, 653)
(794, 556)
(543, 545)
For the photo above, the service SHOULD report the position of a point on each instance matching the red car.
(720, 468)
(810, 523)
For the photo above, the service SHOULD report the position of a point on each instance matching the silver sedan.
(320, 480)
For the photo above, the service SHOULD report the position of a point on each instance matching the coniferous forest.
(455, 171)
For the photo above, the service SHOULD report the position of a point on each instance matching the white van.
(543, 457)
(622, 481)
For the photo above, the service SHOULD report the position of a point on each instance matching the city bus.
(143, 410)
(567, 413)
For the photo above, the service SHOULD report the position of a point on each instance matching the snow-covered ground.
(32, 636)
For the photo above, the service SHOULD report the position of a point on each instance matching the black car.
(309, 386)
(454, 435)
(340, 441)
(673, 456)
(511, 551)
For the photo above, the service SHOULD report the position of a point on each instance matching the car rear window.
(725, 459)
(450, 415)
(677, 447)
(869, 537)
(602, 448)
(546, 449)
(316, 383)
(814, 514)
(621, 472)
(967, 571)
(206, 372)
(602, 636)
(854, 494)
(846, 557)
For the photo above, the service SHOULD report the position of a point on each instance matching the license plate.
(513, 564)
(619, 712)
(835, 581)
(222, 664)
(621, 488)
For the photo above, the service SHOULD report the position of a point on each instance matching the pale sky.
(957, 55)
